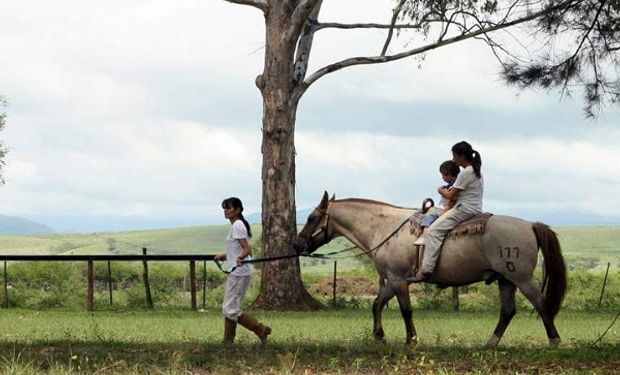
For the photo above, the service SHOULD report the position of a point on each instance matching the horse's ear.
(333, 197)
(323, 203)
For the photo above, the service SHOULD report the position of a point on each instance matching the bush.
(584, 291)
(120, 272)
(581, 263)
(43, 285)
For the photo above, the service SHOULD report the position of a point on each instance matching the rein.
(374, 248)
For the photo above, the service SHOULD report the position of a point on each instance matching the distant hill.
(20, 226)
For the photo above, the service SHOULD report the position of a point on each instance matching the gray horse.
(507, 252)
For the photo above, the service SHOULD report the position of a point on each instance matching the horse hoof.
(492, 343)
(554, 342)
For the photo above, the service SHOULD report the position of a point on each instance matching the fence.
(90, 259)
(145, 258)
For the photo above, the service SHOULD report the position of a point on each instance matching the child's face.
(448, 177)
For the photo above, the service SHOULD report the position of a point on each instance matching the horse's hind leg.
(404, 302)
(386, 292)
(507, 292)
(532, 293)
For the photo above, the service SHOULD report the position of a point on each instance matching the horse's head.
(316, 232)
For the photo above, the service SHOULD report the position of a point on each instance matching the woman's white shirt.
(234, 249)
(472, 189)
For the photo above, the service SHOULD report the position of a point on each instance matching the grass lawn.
(333, 341)
(178, 341)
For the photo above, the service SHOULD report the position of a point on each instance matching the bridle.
(324, 229)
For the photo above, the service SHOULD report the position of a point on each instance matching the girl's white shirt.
(234, 249)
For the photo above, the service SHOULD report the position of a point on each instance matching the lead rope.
(326, 256)
(259, 260)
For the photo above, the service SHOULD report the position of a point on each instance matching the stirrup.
(419, 277)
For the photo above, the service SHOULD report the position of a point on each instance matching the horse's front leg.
(404, 302)
(386, 292)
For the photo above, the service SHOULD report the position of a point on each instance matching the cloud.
(129, 115)
(130, 169)
(545, 175)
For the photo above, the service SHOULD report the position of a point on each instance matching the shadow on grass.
(355, 357)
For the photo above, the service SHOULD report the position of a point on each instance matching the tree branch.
(397, 10)
(598, 12)
(299, 17)
(383, 59)
(304, 46)
(448, 22)
(334, 25)
(260, 4)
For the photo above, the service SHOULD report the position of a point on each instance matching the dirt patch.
(350, 286)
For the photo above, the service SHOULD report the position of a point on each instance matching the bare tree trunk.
(281, 286)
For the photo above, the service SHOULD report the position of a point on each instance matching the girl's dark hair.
(464, 149)
(234, 202)
(449, 168)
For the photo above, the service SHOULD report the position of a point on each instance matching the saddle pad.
(473, 225)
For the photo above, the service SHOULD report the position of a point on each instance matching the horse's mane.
(371, 201)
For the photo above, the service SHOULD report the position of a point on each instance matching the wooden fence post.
(604, 283)
(455, 298)
(204, 285)
(192, 282)
(145, 277)
(334, 283)
(90, 291)
(110, 281)
(6, 287)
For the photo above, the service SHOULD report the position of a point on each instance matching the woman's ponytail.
(247, 225)
(476, 162)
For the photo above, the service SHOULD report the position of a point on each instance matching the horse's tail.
(554, 275)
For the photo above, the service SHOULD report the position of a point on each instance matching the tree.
(3, 150)
(427, 24)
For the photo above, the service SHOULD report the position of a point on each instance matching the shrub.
(43, 285)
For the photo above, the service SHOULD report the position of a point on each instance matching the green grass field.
(207, 239)
(601, 243)
(179, 341)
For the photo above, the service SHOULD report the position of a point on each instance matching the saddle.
(473, 225)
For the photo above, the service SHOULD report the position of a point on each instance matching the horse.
(507, 252)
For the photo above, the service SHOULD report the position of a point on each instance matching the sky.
(144, 114)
